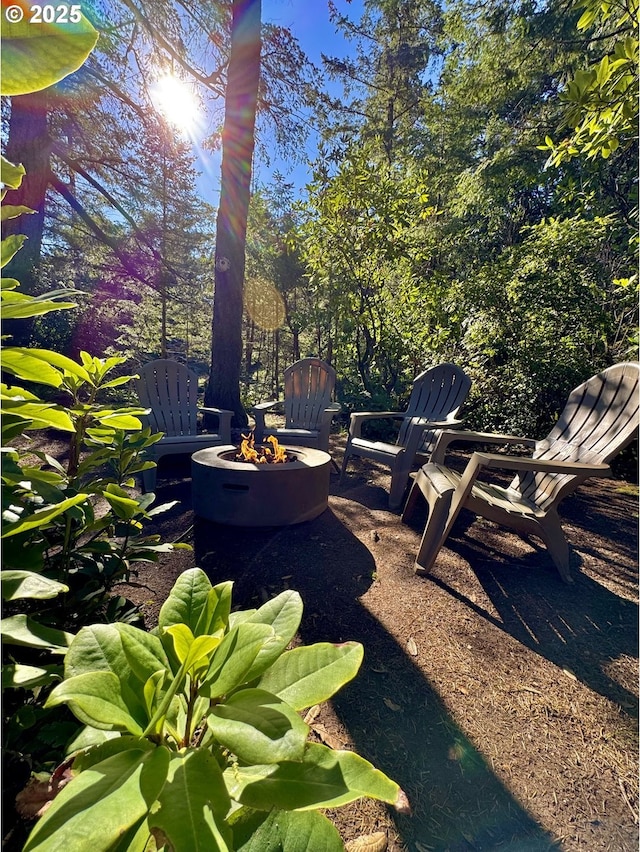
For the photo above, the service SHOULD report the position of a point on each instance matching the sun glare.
(177, 103)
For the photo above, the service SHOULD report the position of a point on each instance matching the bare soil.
(502, 700)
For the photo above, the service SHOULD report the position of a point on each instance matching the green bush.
(193, 734)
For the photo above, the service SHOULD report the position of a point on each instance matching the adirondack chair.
(599, 419)
(307, 406)
(170, 390)
(435, 401)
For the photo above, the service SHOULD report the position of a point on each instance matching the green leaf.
(22, 630)
(11, 174)
(283, 831)
(191, 650)
(324, 779)
(12, 211)
(234, 657)
(284, 614)
(37, 55)
(96, 699)
(101, 804)
(19, 676)
(118, 420)
(312, 673)
(193, 805)
(42, 414)
(44, 516)
(17, 305)
(144, 652)
(187, 600)
(123, 507)
(215, 615)
(9, 247)
(25, 584)
(259, 727)
(100, 647)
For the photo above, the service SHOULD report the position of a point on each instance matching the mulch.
(502, 700)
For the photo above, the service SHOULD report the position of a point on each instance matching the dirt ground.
(503, 701)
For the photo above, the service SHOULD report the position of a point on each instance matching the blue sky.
(309, 22)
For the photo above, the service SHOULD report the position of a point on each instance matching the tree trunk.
(29, 144)
(223, 390)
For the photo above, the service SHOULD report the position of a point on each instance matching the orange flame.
(263, 455)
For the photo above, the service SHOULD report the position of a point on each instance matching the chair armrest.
(265, 406)
(359, 417)
(259, 412)
(449, 436)
(584, 469)
(224, 416)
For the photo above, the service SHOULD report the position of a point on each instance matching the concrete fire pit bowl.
(245, 494)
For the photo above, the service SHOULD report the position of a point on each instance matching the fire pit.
(260, 492)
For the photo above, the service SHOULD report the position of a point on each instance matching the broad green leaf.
(43, 414)
(182, 641)
(12, 211)
(22, 630)
(189, 650)
(9, 247)
(19, 363)
(90, 737)
(123, 507)
(100, 805)
(311, 674)
(234, 657)
(324, 779)
(215, 615)
(18, 676)
(11, 174)
(100, 648)
(26, 584)
(193, 804)
(96, 699)
(44, 516)
(36, 55)
(119, 421)
(259, 727)
(109, 744)
(61, 361)
(187, 600)
(284, 831)
(284, 614)
(17, 305)
(144, 652)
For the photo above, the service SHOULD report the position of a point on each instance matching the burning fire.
(263, 455)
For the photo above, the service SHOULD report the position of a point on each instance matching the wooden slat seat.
(600, 419)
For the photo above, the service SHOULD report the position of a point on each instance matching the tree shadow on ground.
(582, 627)
(457, 801)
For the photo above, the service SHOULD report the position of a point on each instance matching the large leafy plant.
(70, 530)
(194, 738)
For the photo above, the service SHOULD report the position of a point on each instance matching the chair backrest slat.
(600, 418)
(170, 390)
(308, 386)
(437, 394)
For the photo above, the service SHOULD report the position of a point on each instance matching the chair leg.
(433, 536)
(149, 478)
(345, 461)
(553, 536)
(438, 491)
(399, 480)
